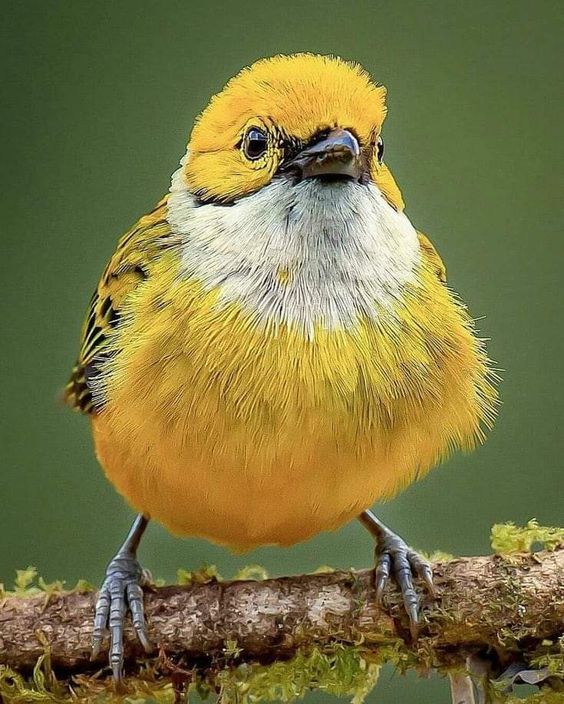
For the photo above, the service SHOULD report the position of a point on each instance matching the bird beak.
(336, 155)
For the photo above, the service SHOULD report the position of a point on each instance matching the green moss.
(340, 671)
(28, 583)
(43, 689)
(256, 572)
(550, 655)
(507, 538)
(343, 672)
(439, 556)
(206, 574)
(349, 672)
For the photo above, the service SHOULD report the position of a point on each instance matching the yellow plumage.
(220, 421)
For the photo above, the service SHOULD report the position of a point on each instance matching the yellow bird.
(274, 347)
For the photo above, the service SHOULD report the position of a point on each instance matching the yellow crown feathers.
(295, 97)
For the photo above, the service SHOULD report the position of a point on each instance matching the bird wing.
(127, 268)
(433, 257)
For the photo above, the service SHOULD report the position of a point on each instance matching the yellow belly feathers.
(245, 433)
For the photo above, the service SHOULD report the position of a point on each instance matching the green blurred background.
(99, 101)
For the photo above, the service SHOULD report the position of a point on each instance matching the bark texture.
(502, 604)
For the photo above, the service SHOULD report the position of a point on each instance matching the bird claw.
(120, 591)
(394, 557)
(520, 673)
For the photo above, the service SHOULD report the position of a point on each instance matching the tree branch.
(504, 604)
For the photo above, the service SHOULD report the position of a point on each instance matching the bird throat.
(307, 254)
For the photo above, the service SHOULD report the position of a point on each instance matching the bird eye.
(255, 143)
(380, 149)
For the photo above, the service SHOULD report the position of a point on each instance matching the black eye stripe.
(255, 143)
(291, 147)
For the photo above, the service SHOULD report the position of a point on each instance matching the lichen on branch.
(251, 640)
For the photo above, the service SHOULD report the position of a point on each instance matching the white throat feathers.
(305, 255)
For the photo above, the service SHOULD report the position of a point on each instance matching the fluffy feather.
(291, 352)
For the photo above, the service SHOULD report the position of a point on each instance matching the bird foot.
(520, 673)
(393, 557)
(121, 591)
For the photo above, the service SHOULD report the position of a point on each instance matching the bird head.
(283, 202)
(294, 117)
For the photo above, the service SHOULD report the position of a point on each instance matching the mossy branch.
(498, 604)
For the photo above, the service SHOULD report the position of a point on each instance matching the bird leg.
(394, 557)
(121, 591)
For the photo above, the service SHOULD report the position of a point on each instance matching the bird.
(274, 347)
